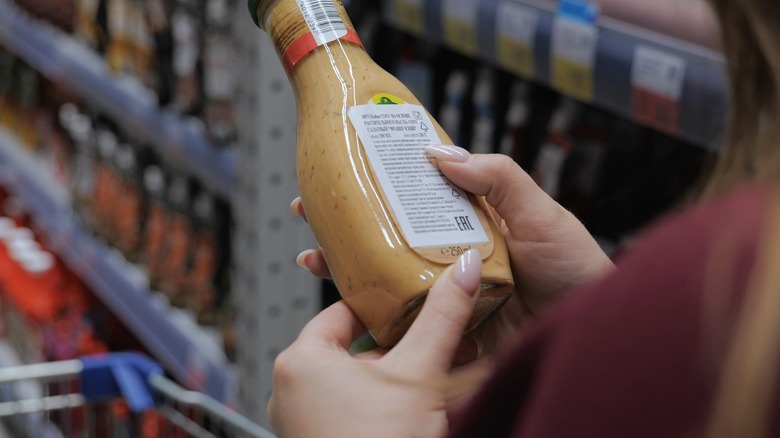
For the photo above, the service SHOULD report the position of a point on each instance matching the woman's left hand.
(321, 390)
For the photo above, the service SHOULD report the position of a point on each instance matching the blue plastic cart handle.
(124, 375)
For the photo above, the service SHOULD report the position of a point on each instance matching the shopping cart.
(115, 395)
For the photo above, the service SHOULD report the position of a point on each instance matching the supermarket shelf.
(701, 107)
(184, 352)
(63, 60)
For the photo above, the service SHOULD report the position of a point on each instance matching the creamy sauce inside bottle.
(381, 278)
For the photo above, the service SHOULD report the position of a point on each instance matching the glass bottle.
(388, 222)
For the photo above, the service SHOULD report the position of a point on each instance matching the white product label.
(219, 76)
(575, 41)
(658, 71)
(549, 168)
(429, 209)
(517, 22)
(323, 20)
(462, 10)
(185, 57)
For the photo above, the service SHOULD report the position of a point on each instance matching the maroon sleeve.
(637, 353)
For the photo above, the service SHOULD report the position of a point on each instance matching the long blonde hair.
(751, 152)
(750, 32)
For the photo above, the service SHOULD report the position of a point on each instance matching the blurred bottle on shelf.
(552, 155)
(219, 66)
(27, 93)
(129, 212)
(414, 71)
(515, 121)
(155, 225)
(482, 139)
(105, 195)
(81, 135)
(8, 110)
(451, 113)
(129, 49)
(210, 253)
(187, 31)
(178, 240)
(90, 25)
(577, 189)
(158, 14)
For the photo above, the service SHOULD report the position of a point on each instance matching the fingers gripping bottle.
(388, 221)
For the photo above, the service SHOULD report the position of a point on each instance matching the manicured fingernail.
(294, 205)
(301, 259)
(468, 271)
(450, 153)
(480, 346)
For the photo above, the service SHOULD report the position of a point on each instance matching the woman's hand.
(320, 390)
(550, 250)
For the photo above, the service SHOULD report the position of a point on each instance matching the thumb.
(504, 184)
(436, 333)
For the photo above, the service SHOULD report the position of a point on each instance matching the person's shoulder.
(676, 261)
(736, 216)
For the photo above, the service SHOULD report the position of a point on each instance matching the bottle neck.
(300, 28)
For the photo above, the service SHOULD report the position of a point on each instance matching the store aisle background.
(149, 147)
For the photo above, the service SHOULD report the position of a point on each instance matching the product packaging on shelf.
(8, 109)
(552, 156)
(129, 212)
(43, 305)
(219, 73)
(106, 188)
(451, 113)
(178, 240)
(412, 223)
(90, 26)
(156, 223)
(578, 185)
(28, 95)
(130, 45)
(207, 260)
(81, 135)
(482, 139)
(515, 121)
(159, 17)
(187, 31)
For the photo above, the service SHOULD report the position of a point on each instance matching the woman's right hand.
(550, 250)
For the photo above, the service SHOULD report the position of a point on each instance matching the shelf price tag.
(657, 79)
(574, 40)
(460, 24)
(410, 16)
(515, 33)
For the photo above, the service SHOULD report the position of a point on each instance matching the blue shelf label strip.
(583, 12)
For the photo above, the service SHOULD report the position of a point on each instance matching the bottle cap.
(38, 263)
(7, 226)
(253, 5)
(107, 144)
(21, 233)
(19, 247)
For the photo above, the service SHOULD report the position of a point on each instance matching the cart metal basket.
(114, 395)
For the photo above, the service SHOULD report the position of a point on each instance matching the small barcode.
(323, 20)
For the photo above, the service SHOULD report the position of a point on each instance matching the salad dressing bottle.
(388, 221)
